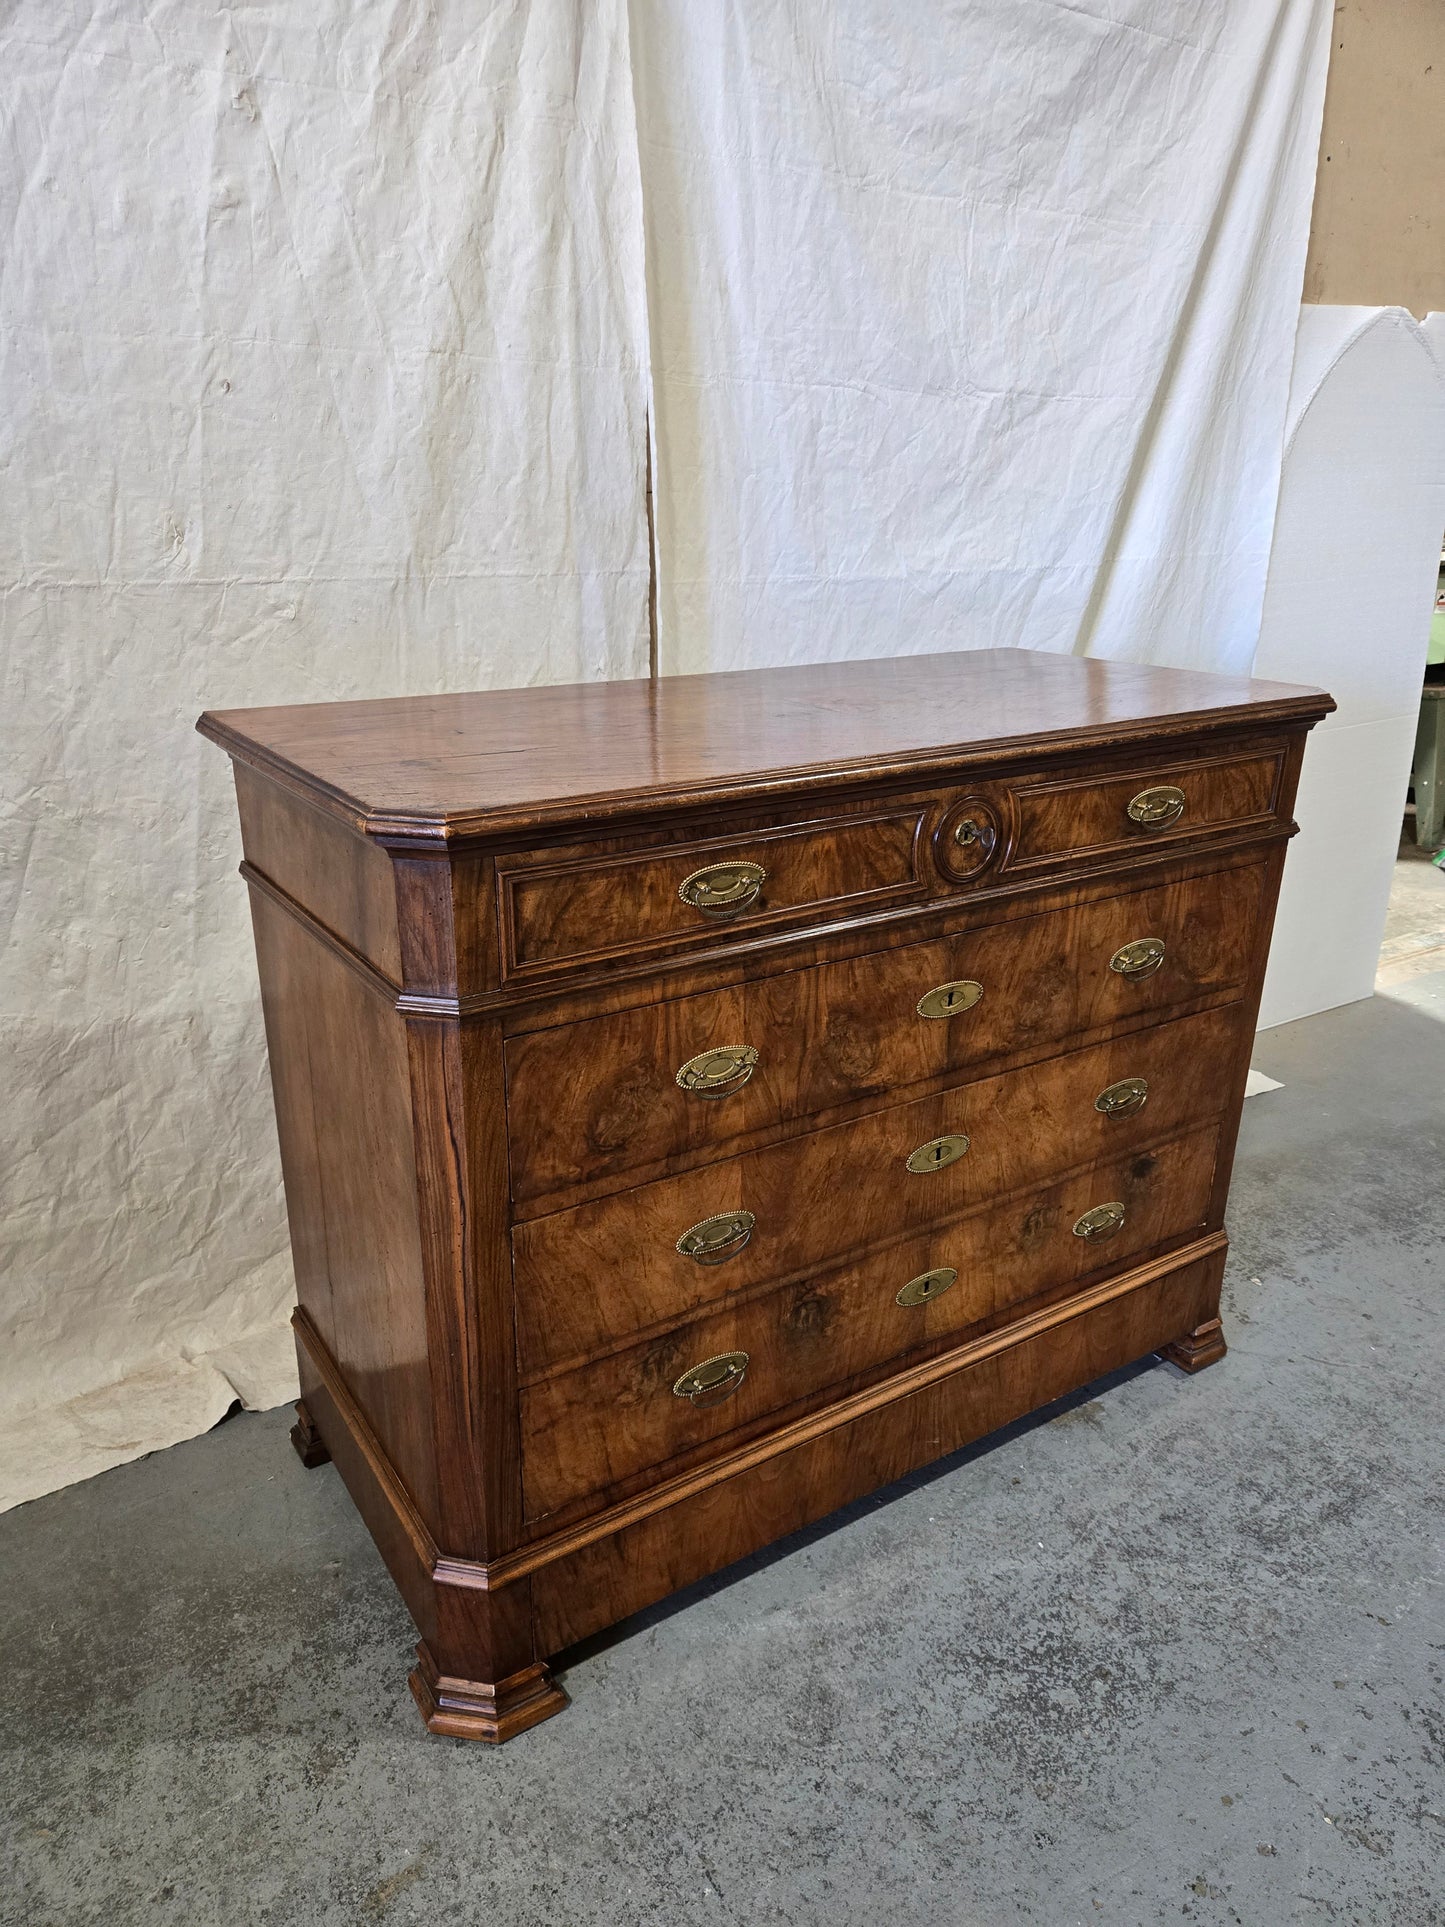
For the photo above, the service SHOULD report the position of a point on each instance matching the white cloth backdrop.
(325, 344)
(321, 339)
(972, 323)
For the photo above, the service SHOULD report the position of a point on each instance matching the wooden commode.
(704, 1101)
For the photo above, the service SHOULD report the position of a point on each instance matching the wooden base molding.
(1203, 1346)
(468, 1709)
(310, 1446)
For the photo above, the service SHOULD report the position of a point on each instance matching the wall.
(1378, 232)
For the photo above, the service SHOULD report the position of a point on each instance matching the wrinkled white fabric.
(325, 354)
(321, 340)
(972, 322)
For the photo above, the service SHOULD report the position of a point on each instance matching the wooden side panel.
(595, 1103)
(340, 876)
(614, 1417)
(605, 1580)
(588, 1276)
(343, 1114)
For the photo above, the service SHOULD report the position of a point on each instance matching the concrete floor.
(1171, 1651)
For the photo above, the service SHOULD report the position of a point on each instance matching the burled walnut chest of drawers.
(702, 1102)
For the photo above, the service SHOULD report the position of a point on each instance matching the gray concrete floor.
(1171, 1651)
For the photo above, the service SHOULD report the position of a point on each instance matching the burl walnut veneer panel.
(703, 1102)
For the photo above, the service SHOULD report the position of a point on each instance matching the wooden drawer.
(1091, 815)
(592, 1104)
(569, 909)
(599, 1272)
(617, 1416)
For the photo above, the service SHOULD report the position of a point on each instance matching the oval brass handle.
(720, 1072)
(947, 1000)
(713, 1379)
(937, 1154)
(1138, 959)
(714, 1240)
(1154, 809)
(1124, 1099)
(1102, 1222)
(723, 889)
(928, 1285)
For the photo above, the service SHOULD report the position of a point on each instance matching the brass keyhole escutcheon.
(1102, 1222)
(712, 1241)
(713, 1379)
(1138, 959)
(723, 889)
(1124, 1099)
(719, 1072)
(928, 1285)
(937, 1154)
(1156, 808)
(968, 838)
(947, 1000)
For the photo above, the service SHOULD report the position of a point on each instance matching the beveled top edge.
(434, 771)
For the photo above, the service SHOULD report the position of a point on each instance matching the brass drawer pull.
(713, 1379)
(928, 1285)
(1155, 809)
(1124, 1099)
(723, 889)
(1102, 1222)
(947, 1000)
(720, 1072)
(936, 1154)
(714, 1240)
(1138, 959)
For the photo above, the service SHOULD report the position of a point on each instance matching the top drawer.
(1091, 815)
(588, 910)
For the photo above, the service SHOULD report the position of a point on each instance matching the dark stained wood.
(849, 1034)
(442, 767)
(479, 982)
(819, 1198)
(609, 1576)
(309, 1444)
(1203, 1346)
(618, 906)
(468, 1709)
(1070, 818)
(615, 1415)
(342, 1087)
(345, 881)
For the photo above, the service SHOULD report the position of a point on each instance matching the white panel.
(1351, 588)
(1361, 512)
(1336, 887)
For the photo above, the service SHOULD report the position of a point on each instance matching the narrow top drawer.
(1091, 814)
(589, 909)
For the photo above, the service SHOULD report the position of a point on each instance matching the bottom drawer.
(617, 1416)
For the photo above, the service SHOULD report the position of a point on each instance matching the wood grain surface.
(445, 766)
(599, 1272)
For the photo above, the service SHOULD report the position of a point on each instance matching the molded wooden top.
(431, 769)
